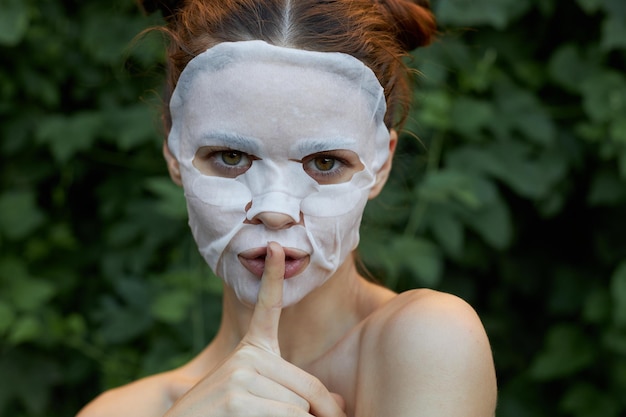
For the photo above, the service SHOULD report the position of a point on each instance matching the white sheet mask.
(279, 106)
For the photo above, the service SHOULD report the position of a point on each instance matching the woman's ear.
(172, 164)
(383, 173)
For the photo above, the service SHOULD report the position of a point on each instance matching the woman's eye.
(232, 157)
(221, 162)
(324, 163)
(332, 167)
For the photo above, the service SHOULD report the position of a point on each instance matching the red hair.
(377, 32)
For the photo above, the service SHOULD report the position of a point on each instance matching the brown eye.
(232, 157)
(220, 162)
(324, 163)
(333, 166)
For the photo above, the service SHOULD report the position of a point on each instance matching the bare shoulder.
(428, 322)
(429, 311)
(431, 353)
(147, 397)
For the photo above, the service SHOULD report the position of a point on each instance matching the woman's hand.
(254, 380)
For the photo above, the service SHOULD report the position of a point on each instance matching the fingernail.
(269, 253)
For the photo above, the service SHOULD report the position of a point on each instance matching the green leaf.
(618, 293)
(12, 269)
(374, 252)
(591, 132)
(604, 96)
(492, 223)
(106, 35)
(134, 292)
(67, 135)
(33, 376)
(171, 200)
(436, 60)
(597, 306)
(41, 86)
(75, 326)
(616, 8)
(521, 111)
(547, 7)
(590, 6)
(30, 294)
(419, 257)
(621, 163)
(435, 109)
(19, 214)
(569, 68)
(61, 236)
(25, 329)
(615, 340)
(478, 73)
(14, 21)
(551, 204)
(123, 324)
(125, 319)
(567, 350)
(172, 306)
(148, 49)
(130, 127)
(614, 33)
(585, 400)
(448, 185)
(606, 189)
(7, 316)
(496, 13)
(447, 229)
(617, 131)
(513, 163)
(469, 115)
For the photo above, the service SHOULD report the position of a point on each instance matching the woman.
(281, 127)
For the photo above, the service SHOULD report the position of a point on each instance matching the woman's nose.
(273, 220)
(275, 209)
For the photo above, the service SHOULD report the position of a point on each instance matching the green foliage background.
(513, 197)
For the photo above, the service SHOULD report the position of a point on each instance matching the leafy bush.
(509, 189)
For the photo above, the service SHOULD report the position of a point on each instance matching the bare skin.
(350, 348)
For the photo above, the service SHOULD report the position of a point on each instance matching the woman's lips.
(254, 261)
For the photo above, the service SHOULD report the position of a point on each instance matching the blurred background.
(509, 190)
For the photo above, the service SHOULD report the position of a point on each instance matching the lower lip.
(292, 266)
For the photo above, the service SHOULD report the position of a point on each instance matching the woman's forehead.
(273, 67)
(277, 91)
(277, 104)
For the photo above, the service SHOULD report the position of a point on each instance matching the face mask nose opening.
(276, 210)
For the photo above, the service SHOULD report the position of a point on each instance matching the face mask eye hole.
(222, 162)
(332, 167)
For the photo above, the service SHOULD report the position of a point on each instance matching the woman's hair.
(377, 32)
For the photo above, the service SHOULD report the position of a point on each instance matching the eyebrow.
(307, 147)
(232, 140)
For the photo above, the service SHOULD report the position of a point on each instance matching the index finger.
(263, 330)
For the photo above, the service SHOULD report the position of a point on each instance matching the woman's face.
(276, 151)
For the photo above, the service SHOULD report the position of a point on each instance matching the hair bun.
(415, 22)
(167, 7)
